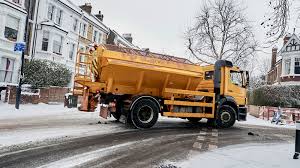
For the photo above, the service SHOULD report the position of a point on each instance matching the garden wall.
(43, 95)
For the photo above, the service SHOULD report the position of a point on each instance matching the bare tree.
(277, 21)
(221, 31)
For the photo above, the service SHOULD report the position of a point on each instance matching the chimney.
(100, 16)
(128, 37)
(286, 39)
(274, 55)
(87, 7)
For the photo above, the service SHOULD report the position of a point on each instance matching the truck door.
(236, 86)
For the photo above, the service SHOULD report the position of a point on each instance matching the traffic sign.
(19, 47)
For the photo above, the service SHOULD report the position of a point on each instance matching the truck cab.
(229, 83)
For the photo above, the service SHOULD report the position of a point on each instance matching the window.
(100, 38)
(45, 41)
(17, 1)
(297, 65)
(95, 36)
(72, 51)
(58, 17)
(209, 75)
(6, 69)
(83, 30)
(51, 9)
(236, 78)
(11, 28)
(292, 46)
(75, 24)
(57, 45)
(287, 66)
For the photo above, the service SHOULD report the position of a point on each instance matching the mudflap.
(242, 114)
(126, 119)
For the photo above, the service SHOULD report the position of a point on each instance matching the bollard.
(297, 141)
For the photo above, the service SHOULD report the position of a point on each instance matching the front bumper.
(242, 114)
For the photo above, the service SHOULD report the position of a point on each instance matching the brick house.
(285, 65)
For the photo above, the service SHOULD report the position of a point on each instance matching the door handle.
(230, 90)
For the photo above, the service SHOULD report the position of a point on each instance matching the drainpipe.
(33, 52)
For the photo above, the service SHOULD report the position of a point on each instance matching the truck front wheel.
(144, 113)
(226, 117)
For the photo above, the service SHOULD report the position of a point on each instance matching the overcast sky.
(160, 24)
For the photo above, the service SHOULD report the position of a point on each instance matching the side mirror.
(247, 78)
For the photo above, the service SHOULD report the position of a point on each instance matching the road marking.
(214, 134)
(200, 138)
(214, 130)
(202, 133)
(197, 145)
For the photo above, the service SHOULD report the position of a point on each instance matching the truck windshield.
(236, 78)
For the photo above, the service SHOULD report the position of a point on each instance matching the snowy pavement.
(251, 120)
(34, 123)
(246, 156)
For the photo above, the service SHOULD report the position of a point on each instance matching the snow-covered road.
(49, 135)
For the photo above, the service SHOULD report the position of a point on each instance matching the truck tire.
(194, 120)
(144, 113)
(226, 117)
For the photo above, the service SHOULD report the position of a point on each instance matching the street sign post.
(20, 47)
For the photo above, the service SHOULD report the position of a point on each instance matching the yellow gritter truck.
(137, 85)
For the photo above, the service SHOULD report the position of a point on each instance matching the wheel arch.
(228, 100)
(137, 98)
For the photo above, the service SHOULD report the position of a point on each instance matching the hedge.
(42, 73)
(284, 96)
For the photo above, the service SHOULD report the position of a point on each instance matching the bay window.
(75, 25)
(72, 51)
(6, 69)
(11, 28)
(95, 36)
(57, 45)
(45, 41)
(297, 66)
(83, 30)
(287, 66)
(100, 38)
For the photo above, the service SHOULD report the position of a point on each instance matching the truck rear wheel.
(226, 117)
(144, 113)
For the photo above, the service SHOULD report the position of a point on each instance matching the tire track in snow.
(88, 156)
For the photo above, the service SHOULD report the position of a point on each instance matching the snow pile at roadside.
(251, 120)
(250, 156)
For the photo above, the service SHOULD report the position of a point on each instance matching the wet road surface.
(141, 148)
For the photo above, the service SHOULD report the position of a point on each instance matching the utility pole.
(19, 89)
